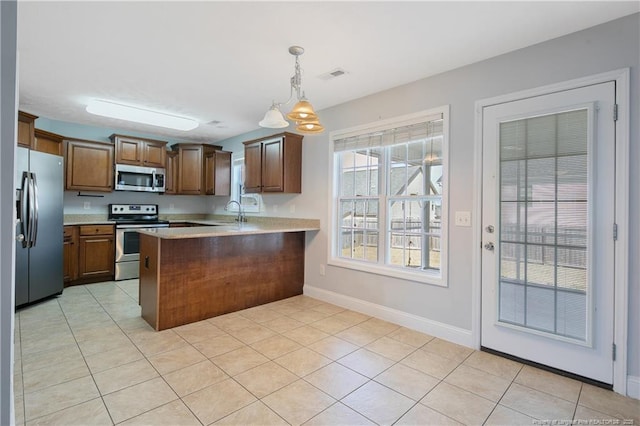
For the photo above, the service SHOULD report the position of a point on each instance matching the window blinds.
(430, 127)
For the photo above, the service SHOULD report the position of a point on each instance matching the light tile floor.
(88, 358)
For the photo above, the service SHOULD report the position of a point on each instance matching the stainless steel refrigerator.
(39, 247)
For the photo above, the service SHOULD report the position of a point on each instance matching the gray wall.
(8, 119)
(603, 48)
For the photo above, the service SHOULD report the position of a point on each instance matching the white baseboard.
(414, 322)
(633, 387)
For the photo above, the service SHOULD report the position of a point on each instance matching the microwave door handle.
(153, 179)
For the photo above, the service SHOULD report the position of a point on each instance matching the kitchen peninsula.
(195, 273)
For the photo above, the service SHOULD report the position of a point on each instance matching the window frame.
(439, 278)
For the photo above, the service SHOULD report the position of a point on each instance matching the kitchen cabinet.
(190, 168)
(139, 151)
(26, 127)
(89, 166)
(48, 142)
(217, 170)
(274, 164)
(70, 250)
(202, 169)
(36, 139)
(96, 252)
(171, 173)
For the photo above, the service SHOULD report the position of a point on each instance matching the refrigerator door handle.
(30, 201)
(23, 213)
(34, 184)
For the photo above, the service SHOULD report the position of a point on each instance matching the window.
(251, 203)
(390, 197)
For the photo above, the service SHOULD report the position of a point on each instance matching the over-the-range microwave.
(138, 178)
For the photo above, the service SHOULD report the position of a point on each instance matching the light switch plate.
(463, 218)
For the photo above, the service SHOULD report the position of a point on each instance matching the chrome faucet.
(241, 217)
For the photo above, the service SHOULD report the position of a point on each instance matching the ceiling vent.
(332, 74)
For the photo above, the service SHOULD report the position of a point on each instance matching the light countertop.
(216, 228)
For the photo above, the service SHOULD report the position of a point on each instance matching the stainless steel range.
(129, 219)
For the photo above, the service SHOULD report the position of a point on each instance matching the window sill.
(420, 277)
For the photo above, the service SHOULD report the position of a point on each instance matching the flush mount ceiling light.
(139, 115)
(305, 117)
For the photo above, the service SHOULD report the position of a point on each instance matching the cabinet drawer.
(96, 229)
(68, 232)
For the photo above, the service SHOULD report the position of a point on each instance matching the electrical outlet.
(87, 205)
(172, 206)
(322, 270)
(275, 208)
(463, 218)
(292, 208)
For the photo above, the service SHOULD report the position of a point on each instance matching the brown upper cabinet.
(47, 142)
(171, 173)
(140, 151)
(202, 169)
(26, 128)
(274, 164)
(89, 166)
(36, 139)
(217, 171)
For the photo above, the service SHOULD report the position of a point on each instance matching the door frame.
(621, 262)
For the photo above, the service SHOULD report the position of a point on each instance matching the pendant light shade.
(312, 126)
(273, 119)
(306, 119)
(302, 111)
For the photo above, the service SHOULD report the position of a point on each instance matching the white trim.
(621, 283)
(621, 267)
(423, 277)
(633, 387)
(414, 322)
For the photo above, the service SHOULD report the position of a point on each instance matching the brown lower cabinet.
(70, 254)
(92, 259)
(184, 280)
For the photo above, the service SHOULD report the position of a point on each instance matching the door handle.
(36, 209)
(489, 246)
(490, 229)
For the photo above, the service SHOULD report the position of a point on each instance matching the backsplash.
(167, 204)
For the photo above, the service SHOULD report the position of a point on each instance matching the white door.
(547, 218)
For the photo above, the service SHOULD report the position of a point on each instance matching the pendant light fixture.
(302, 114)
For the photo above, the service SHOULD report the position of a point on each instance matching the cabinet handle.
(146, 262)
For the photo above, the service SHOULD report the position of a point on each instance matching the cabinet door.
(48, 142)
(89, 166)
(272, 166)
(96, 256)
(253, 168)
(26, 125)
(154, 154)
(129, 151)
(70, 254)
(222, 173)
(171, 177)
(190, 164)
(210, 173)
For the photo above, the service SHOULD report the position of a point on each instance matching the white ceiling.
(227, 61)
